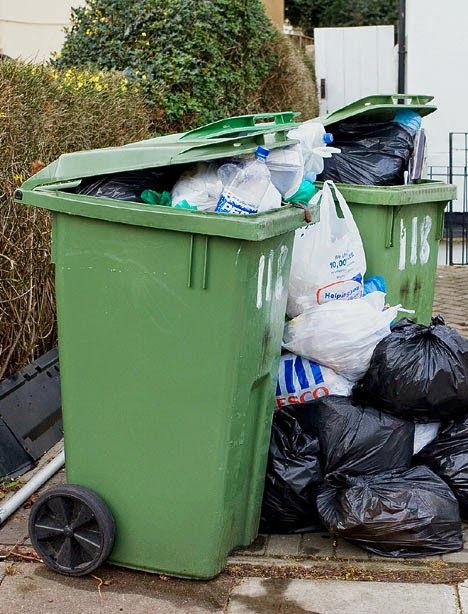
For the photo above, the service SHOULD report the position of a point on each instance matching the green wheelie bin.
(401, 226)
(170, 324)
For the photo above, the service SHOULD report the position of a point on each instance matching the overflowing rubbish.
(304, 193)
(245, 191)
(151, 197)
(292, 479)
(328, 261)
(313, 140)
(301, 380)
(418, 371)
(447, 456)
(371, 153)
(286, 166)
(341, 335)
(357, 440)
(127, 186)
(199, 186)
(402, 513)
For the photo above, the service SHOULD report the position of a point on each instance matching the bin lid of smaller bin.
(223, 139)
(381, 108)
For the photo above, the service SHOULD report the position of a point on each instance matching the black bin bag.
(402, 513)
(371, 153)
(418, 371)
(128, 185)
(447, 456)
(355, 439)
(292, 479)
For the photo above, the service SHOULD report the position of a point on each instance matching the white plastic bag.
(328, 260)
(311, 135)
(424, 433)
(341, 335)
(271, 200)
(200, 186)
(286, 167)
(301, 380)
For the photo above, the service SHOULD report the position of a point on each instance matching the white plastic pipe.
(23, 494)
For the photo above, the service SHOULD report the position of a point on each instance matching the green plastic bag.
(151, 197)
(304, 194)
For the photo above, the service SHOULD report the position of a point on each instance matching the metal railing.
(456, 214)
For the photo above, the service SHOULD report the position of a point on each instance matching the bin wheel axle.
(71, 529)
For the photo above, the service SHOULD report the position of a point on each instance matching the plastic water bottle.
(244, 193)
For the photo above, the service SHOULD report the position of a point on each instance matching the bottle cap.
(262, 152)
(328, 138)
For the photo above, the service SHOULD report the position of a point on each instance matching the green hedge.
(196, 60)
(44, 113)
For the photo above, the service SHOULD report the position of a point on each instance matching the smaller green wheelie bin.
(170, 324)
(400, 225)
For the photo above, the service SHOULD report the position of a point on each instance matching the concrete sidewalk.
(33, 589)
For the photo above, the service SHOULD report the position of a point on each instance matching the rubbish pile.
(242, 186)
(370, 433)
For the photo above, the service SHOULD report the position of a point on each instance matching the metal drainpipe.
(402, 47)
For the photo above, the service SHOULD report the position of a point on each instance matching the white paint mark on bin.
(269, 276)
(261, 269)
(402, 263)
(279, 286)
(425, 250)
(414, 240)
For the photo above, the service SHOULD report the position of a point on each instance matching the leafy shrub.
(44, 113)
(196, 60)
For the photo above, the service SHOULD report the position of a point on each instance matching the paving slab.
(33, 589)
(258, 595)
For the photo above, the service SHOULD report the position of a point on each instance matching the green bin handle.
(260, 122)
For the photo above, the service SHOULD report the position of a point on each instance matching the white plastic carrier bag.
(301, 380)
(328, 260)
(200, 186)
(341, 335)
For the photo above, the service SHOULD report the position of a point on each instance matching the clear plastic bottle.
(247, 188)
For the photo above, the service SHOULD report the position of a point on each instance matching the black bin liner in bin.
(447, 456)
(371, 153)
(129, 185)
(292, 479)
(418, 371)
(355, 439)
(402, 513)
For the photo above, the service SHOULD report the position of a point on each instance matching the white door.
(351, 63)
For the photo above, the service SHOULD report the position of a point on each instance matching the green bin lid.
(224, 139)
(381, 108)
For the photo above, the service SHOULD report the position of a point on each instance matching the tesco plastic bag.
(301, 380)
(328, 260)
(341, 335)
(199, 186)
(401, 513)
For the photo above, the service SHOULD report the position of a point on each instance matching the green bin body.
(170, 324)
(400, 226)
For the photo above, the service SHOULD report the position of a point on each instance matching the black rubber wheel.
(71, 529)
